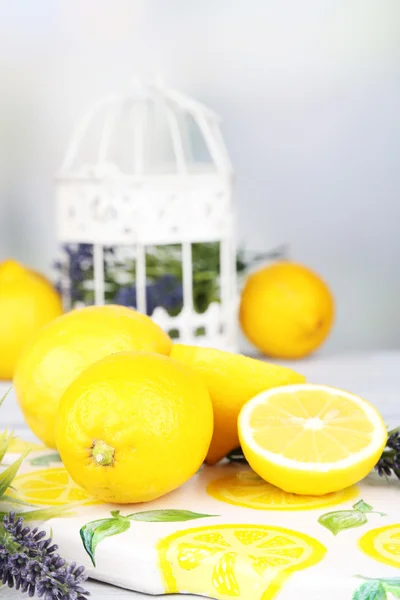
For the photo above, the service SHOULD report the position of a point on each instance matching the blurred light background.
(309, 95)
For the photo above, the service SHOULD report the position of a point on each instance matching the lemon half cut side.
(311, 439)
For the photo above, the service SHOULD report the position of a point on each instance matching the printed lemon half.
(383, 544)
(19, 445)
(231, 379)
(61, 350)
(311, 439)
(245, 488)
(48, 487)
(240, 561)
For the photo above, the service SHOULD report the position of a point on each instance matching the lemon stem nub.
(102, 453)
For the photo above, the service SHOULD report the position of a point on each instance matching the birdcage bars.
(101, 204)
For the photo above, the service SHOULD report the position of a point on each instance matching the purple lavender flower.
(30, 562)
(80, 268)
(126, 296)
(166, 291)
(389, 463)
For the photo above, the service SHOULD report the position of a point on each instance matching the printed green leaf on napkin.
(370, 590)
(363, 506)
(340, 520)
(95, 531)
(46, 459)
(167, 515)
(377, 589)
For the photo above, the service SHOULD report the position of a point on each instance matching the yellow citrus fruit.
(232, 380)
(383, 545)
(241, 561)
(65, 347)
(286, 310)
(27, 302)
(134, 426)
(245, 488)
(48, 487)
(311, 439)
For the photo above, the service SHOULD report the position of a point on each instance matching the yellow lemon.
(245, 488)
(383, 544)
(48, 487)
(232, 380)
(134, 426)
(61, 350)
(286, 310)
(27, 302)
(311, 439)
(241, 561)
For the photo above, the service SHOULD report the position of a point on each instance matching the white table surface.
(375, 376)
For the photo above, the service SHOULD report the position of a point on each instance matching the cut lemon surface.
(383, 544)
(48, 487)
(245, 488)
(311, 439)
(248, 562)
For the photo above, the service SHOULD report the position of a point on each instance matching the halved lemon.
(383, 544)
(245, 488)
(48, 487)
(250, 562)
(311, 439)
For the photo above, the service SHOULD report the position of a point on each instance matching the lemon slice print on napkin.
(383, 545)
(241, 561)
(245, 488)
(48, 487)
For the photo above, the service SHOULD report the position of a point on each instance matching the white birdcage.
(144, 170)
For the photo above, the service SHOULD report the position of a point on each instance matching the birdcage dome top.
(149, 130)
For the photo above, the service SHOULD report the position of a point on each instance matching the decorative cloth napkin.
(227, 534)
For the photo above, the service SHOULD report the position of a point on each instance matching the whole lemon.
(65, 347)
(232, 380)
(134, 426)
(27, 302)
(286, 310)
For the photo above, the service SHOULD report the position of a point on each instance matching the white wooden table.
(375, 376)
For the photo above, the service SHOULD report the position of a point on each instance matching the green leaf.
(5, 395)
(370, 590)
(94, 532)
(5, 441)
(46, 459)
(167, 515)
(392, 589)
(9, 500)
(393, 581)
(362, 506)
(8, 474)
(43, 514)
(340, 520)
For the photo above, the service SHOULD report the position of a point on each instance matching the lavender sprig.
(30, 562)
(389, 463)
(164, 283)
